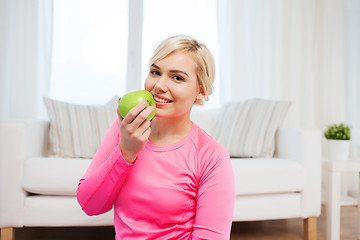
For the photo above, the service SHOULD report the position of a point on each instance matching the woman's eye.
(178, 78)
(154, 72)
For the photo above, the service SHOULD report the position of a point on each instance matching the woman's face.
(173, 83)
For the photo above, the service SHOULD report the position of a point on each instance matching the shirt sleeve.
(100, 185)
(216, 198)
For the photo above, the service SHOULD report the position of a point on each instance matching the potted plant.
(338, 141)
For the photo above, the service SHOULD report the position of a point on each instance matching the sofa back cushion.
(76, 131)
(247, 129)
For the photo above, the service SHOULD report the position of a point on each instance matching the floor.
(291, 229)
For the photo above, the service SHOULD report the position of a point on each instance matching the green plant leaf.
(338, 132)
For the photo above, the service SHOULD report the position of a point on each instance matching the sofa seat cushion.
(267, 176)
(53, 175)
(39, 211)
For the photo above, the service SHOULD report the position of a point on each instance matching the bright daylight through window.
(90, 43)
(89, 50)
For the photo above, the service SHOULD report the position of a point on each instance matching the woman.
(166, 178)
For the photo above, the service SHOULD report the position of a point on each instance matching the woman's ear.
(200, 96)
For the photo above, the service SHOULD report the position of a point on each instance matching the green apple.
(131, 99)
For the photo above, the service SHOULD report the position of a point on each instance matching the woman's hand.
(135, 131)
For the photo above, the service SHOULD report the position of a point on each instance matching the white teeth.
(161, 100)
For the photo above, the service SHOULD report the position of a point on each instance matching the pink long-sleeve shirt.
(180, 191)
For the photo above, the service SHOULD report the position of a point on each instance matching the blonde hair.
(200, 53)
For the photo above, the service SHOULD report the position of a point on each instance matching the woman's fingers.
(138, 115)
(139, 125)
(135, 124)
(134, 112)
(147, 132)
(144, 127)
(135, 130)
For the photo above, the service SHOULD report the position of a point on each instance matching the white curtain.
(25, 57)
(352, 71)
(352, 76)
(285, 50)
(305, 51)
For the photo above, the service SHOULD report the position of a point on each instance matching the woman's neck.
(165, 131)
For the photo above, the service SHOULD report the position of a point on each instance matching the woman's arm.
(215, 201)
(103, 179)
(98, 189)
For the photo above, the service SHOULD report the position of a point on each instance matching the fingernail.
(146, 102)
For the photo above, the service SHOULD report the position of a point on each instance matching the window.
(90, 43)
(89, 50)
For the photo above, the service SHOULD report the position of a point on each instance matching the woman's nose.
(160, 85)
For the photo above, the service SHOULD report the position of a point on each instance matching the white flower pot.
(338, 150)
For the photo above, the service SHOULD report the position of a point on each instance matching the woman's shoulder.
(211, 155)
(205, 142)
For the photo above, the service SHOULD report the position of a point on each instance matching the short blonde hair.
(200, 53)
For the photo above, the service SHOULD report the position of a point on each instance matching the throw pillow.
(247, 129)
(76, 130)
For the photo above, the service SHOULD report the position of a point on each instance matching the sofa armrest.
(295, 142)
(19, 140)
(304, 146)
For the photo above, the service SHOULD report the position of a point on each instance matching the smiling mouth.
(161, 100)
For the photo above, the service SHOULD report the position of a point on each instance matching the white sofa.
(38, 190)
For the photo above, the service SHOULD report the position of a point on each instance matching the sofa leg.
(310, 228)
(7, 233)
